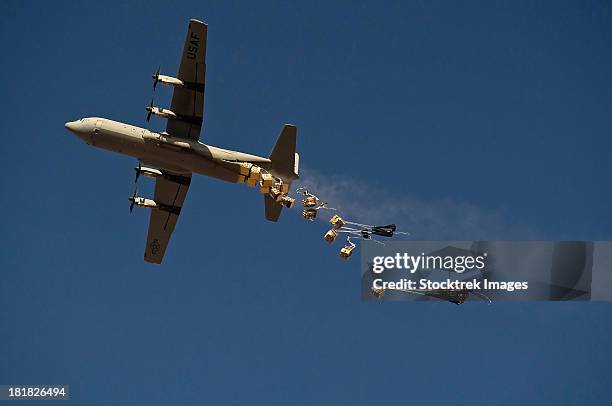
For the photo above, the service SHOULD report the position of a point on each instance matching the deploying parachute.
(312, 204)
(356, 231)
(363, 231)
(276, 189)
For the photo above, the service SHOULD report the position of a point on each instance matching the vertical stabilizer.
(283, 156)
(284, 165)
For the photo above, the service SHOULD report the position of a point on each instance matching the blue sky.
(496, 109)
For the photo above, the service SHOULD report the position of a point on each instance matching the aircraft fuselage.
(161, 150)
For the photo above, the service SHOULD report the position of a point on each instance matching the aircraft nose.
(71, 126)
(81, 128)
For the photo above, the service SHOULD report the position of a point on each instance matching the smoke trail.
(442, 219)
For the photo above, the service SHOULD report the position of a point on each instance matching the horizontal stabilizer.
(273, 208)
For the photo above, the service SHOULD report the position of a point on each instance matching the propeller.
(133, 199)
(149, 108)
(156, 78)
(137, 170)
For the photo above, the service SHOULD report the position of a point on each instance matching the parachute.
(277, 192)
(353, 230)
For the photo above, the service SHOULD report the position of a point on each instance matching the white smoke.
(442, 219)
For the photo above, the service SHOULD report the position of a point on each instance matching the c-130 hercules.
(176, 153)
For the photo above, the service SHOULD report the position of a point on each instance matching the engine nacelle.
(169, 80)
(144, 202)
(161, 112)
(169, 114)
(152, 204)
(156, 173)
(176, 82)
(149, 172)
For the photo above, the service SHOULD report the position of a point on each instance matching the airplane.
(174, 155)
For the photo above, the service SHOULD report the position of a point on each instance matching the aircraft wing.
(170, 195)
(188, 100)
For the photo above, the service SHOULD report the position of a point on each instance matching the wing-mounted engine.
(159, 111)
(167, 113)
(156, 173)
(139, 201)
(152, 204)
(175, 82)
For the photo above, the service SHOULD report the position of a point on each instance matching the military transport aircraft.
(176, 153)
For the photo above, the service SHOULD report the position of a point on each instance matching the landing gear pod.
(309, 214)
(331, 235)
(336, 221)
(378, 293)
(346, 251)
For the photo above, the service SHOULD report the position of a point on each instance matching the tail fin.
(284, 164)
(285, 160)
